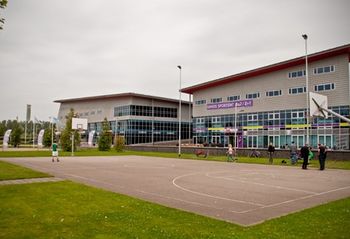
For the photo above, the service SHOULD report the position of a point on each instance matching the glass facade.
(137, 131)
(258, 129)
(141, 110)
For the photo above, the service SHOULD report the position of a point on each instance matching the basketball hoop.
(317, 104)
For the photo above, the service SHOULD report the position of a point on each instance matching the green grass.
(10, 171)
(71, 210)
(334, 164)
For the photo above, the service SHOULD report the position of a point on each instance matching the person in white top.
(230, 153)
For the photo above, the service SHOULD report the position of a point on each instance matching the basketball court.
(244, 194)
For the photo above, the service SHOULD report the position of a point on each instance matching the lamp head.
(179, 67)
(304, 36)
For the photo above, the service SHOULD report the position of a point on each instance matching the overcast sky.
(58, 49)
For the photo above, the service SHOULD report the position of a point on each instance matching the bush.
(119, 143)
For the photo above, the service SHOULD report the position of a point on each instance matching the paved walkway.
(30, 180)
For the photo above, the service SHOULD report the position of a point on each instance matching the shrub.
(119, 143)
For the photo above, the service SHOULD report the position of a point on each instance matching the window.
(273, 116)
(323, 70)
(297, 114)
(252, 117)
(216, 120)
(274, 93)
(233, 97)
(252, 95)
(216, 100)
(200, 102)
(296, 74)
(324, 87)
(200, 121)
(297, 90)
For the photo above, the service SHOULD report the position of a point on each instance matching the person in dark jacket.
(271, 150)
(322, 154)
(304, 151)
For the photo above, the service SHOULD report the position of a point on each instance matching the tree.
(2, 128)
(16, 133)
(3, 4)
(105, 141)
(119, 143)
(48, 136)
(66, 141)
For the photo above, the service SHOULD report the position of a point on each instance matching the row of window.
(281, 117)
(297, 114)
(324, 87)
(141, 110)
(291, 91)
(316, 71)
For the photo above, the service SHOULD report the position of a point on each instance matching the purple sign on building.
(229, 105)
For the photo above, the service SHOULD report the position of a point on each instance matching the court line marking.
(294, 200)
(260, 184)
(143, 167)
(178, 199)
(313, 194)
(209, 195)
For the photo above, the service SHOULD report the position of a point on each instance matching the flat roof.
(345, 49)
(112, 96)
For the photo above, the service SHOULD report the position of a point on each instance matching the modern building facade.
(268, 104)
(139, 118)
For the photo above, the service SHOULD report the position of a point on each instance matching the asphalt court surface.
(244, 194)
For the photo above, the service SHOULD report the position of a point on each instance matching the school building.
(139, 118)
(268, 104)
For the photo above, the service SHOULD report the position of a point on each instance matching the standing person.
(322, 154)
(54, 152)
(304, 151)
(271, 151)
(293, 153)
(230, 153)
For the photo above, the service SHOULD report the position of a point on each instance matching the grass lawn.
(335, 164)
(10, 171)
(70, 210)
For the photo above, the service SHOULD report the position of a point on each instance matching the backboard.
(79, 123)
(317, 102)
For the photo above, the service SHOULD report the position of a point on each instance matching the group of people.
(306, 154)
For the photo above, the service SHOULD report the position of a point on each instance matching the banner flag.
(40, 138)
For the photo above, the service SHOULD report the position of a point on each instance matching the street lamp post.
(179, 113)
(189, 119)
(235, 146)
(307, 92)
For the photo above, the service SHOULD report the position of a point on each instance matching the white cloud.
(54, 49)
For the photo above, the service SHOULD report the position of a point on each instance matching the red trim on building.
(121, 95)
(271, 68)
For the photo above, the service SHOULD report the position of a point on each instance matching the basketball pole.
(73, 143)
